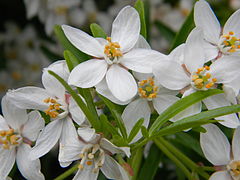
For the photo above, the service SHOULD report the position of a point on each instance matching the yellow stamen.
(89, 163)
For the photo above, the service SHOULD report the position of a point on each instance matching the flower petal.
(177, 54)
(103, 89)
(77, 115)
(236, 145)
(142, 43)
(205, 18)
(162, 102)
(50, 83)
(121, 83)
(86, 174)
(83, 41)
(32, 128)
(171, 75)
(112, 170)
(47, 139)
(215, 145)
(126, 28)
(210, 51)
(7, 160)
(220, 175)
(86, 133)
(30, 169)
(142, 76)
(217, 101)
(233, 24)
(14, 116)
(133, 112)
(193, 52)
(141, 60)
(88, 73)
(3, 124)
(29, 98)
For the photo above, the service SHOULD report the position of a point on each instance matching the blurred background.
(28, 43)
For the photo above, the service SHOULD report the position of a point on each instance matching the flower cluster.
(124, 69)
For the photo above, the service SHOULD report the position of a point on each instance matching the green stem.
(173, 158)
(188, 162)
(135, 162)
(67, 173)
(139, 144)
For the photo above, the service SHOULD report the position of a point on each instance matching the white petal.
(210, 51)
(86, 133)
(83, 41)
(50, 83)
(171, 75)
(7, 159)
(141, 60)
(105, 144)
(30, 169)
(193, 52)
(126, 28)
(121, 83)
(177, 54)
(236, 145)
(233, 24)
(231, 93)
(88, 73)
(215, 145)
(103, 89)
(29, 98)
(112, 170)
(217, 101)
(162, 102)
(47, 139)
(14, 116)
(86, 174)
(142, 76)
(142, 43)
(3, 124)
(76, 112)
(68, 154)
(220, 175)
(205, 18)
(33, 126)
(133, 112)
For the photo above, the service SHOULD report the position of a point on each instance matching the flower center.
(234, 169)
(10, 138)
(201, 79)
(92, 154)
(54, 108)
(230, 43)
(147, 89)
(112, 49)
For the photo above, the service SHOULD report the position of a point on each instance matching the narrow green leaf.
(139, 6)
(144, 132)
(165, 31)
(68, 46)
(97, 31)
(180, 105)
(182, 35)
(151, 164)
(79, 102)
(117, 116)
(135, 129)
(197, 120)
(135, 162)
(107, 125)
(119, 141)
(71, 60)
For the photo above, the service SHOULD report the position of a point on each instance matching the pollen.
(147, 89)
(112, 49)
(230, 43)
(89, 163)
(54, 108)
(234, 168)
(9, 138)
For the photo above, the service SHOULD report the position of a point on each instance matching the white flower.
(217, 150)
(112, 57)
(55, 102)
(94, 152)
(185, 71)
(17, 132)
(226, 40)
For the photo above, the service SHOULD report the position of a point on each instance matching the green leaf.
(144, 132)
(182, 35)
(106, 125)
(135, 129)
(180, 105)
(139, 6)
(68, 46)
(135, 162)
(117, 116)
(165, 31)
(151, 164)
(197, 120)
(93, 121)
(97, 31)
(119, 141)
(71, 60)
